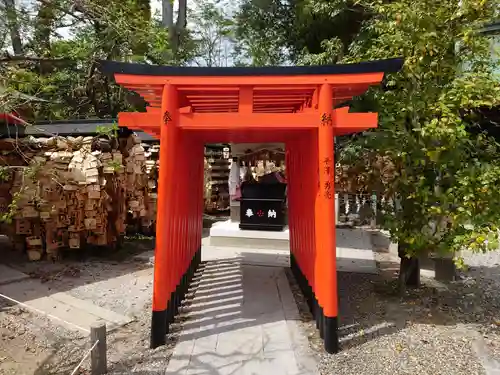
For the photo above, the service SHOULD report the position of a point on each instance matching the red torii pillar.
(325, 218)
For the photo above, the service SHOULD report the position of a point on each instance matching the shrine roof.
(64, 128)
(211, 98)
(387, 66)
(284, 89)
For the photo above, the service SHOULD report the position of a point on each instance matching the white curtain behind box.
(234, 179)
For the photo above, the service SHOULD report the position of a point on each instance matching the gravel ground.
(438, 329)
(33, 344)
(451, 329)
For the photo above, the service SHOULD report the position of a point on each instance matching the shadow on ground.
(234, 320)
(216, 304)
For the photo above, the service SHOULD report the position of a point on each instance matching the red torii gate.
(188, 107)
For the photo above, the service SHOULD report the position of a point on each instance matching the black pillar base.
(327, 326)
(159, 328)
(162, 319)
(331, 334)
(171, 309)
(321, 319)
(316, 311)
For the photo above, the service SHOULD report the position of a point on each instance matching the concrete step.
(253, 256)
(249, 243)
(348, 260)
(228, 234)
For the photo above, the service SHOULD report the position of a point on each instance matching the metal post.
(373, 222)
(98, 358)
(337, 212)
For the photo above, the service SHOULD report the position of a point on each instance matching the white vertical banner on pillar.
(337, 213)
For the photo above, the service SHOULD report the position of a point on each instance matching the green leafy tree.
(62, 47)
(212, 33)
(429, 152)
(260, 30)
(273, 32)
(445, 173)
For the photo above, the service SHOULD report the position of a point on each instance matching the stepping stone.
(10, 275)
(73, 313)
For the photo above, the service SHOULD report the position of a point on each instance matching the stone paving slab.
(10, 275)
(247, 327)
(73, 313)
(255, 256)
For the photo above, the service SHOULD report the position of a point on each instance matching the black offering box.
(262, 207)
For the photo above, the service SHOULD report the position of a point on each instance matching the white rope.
(43, 312)
(84, 358)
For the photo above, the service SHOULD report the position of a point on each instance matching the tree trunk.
(175, 30)
(43, 27)
(181, 17)
(144, 7)
(445, 269)
(409, 270)
(140, 47)
(13, 25)
(167, 17)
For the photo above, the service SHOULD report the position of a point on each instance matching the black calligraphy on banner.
(328, 191)
(326, 120)
(327, 166)
(167, 117)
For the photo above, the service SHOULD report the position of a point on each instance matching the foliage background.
(434, 151)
